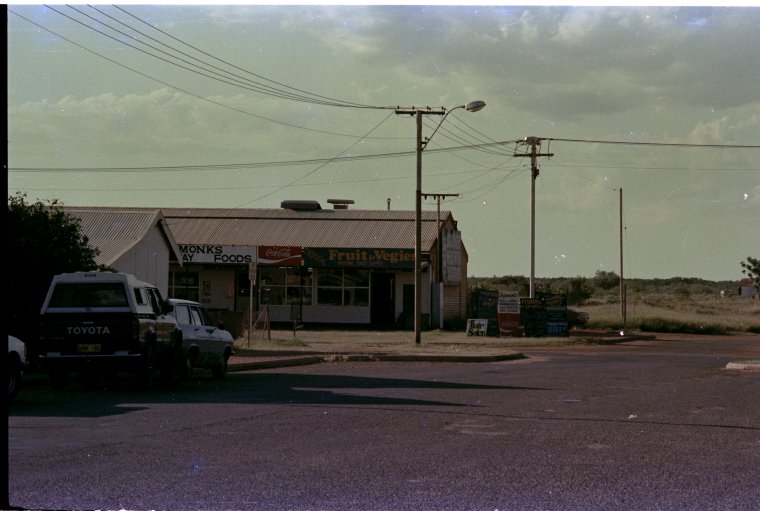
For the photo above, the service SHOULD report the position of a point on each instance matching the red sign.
(280, 256)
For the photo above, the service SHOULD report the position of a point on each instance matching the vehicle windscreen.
(101, 294)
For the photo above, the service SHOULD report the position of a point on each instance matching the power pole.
(534, 143)
(622, 279)
(438, 197)
(421, 143)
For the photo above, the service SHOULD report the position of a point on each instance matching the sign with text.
(544, 315)
(359, 257)
(487, 308)
(509, 313)
(477, 327)
(533, 317)
(452, 257)
(217, 254)
(280, 256)
(556, 315)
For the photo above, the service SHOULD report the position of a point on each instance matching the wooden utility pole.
(534, 143)
(622, 279)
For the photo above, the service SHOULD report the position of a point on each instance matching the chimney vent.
(340, 203)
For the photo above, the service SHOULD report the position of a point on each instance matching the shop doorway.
(382, 301)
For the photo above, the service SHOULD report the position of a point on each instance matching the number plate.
(88, 348)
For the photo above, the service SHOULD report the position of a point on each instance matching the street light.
(472, 106)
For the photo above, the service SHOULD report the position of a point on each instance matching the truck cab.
(92, 322)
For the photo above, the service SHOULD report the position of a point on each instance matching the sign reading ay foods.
(358, 257)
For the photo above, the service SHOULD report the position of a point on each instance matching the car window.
(205, 317)
(106, 294)
(182, 314)
(140, 296)
(196, 315)
(155, 300)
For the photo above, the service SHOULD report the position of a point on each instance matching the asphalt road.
(648, 425)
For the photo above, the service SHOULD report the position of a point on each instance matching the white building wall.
(148, 260)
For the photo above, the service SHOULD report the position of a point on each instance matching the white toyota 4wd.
(93, 322)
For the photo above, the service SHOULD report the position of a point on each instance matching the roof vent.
(300, 205)
(340, 203)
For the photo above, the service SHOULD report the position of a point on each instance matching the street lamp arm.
(472, 106)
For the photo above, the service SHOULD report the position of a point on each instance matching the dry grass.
(691, 315)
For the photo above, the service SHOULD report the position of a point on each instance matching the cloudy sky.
(249, 105)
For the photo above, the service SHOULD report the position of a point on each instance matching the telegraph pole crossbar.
(533, 142)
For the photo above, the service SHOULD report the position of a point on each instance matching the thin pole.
(533, 142)
(534, 174)
(622, 279)
(418, 237)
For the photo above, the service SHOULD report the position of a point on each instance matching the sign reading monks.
(358, 257)
(217, 254)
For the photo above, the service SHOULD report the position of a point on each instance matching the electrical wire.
(391, 113)
(185, 91)
(206, 70)
(660, 144)
(250, 165)
(308, 94)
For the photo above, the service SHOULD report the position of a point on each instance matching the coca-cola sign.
(281, 256)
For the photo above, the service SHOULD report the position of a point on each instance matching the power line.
(660, 144)
(180, 89)
(206, 69)
(391, 113)
(345, 103)
(240, 166)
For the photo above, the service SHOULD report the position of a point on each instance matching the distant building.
(138, 242)
(302, 263)
(747, 289)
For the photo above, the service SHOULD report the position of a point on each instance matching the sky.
(245, 106)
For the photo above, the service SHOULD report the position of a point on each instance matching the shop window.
(184, 285)
(343, 287)
(284, 286)
(329, 296)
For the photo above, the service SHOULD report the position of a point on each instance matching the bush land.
(676, 305)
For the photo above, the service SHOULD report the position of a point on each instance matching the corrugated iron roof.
(347, 228)
(115, 230)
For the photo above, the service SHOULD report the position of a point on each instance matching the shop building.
(307, 264)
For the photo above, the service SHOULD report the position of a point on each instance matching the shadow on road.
(121, 396)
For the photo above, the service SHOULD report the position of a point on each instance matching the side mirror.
(168, 307)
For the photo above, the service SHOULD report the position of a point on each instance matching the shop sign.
(217, 254)
(452, 257)
(509, 313)
(544, 315)
(280, 256)
(359, 257)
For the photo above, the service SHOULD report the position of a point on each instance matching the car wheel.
(146, 373)
(174, 368)
(187, 373)
(220, 371)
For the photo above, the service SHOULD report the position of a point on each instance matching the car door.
(204, 334)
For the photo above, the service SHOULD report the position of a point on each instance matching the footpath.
(283, 348)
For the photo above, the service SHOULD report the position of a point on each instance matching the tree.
(577, 291)
(751, 268)
(43, 241)
(606, 279)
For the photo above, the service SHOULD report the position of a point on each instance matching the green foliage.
(751, 268)
(42, 241)
(578, 291)
(606, 279)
